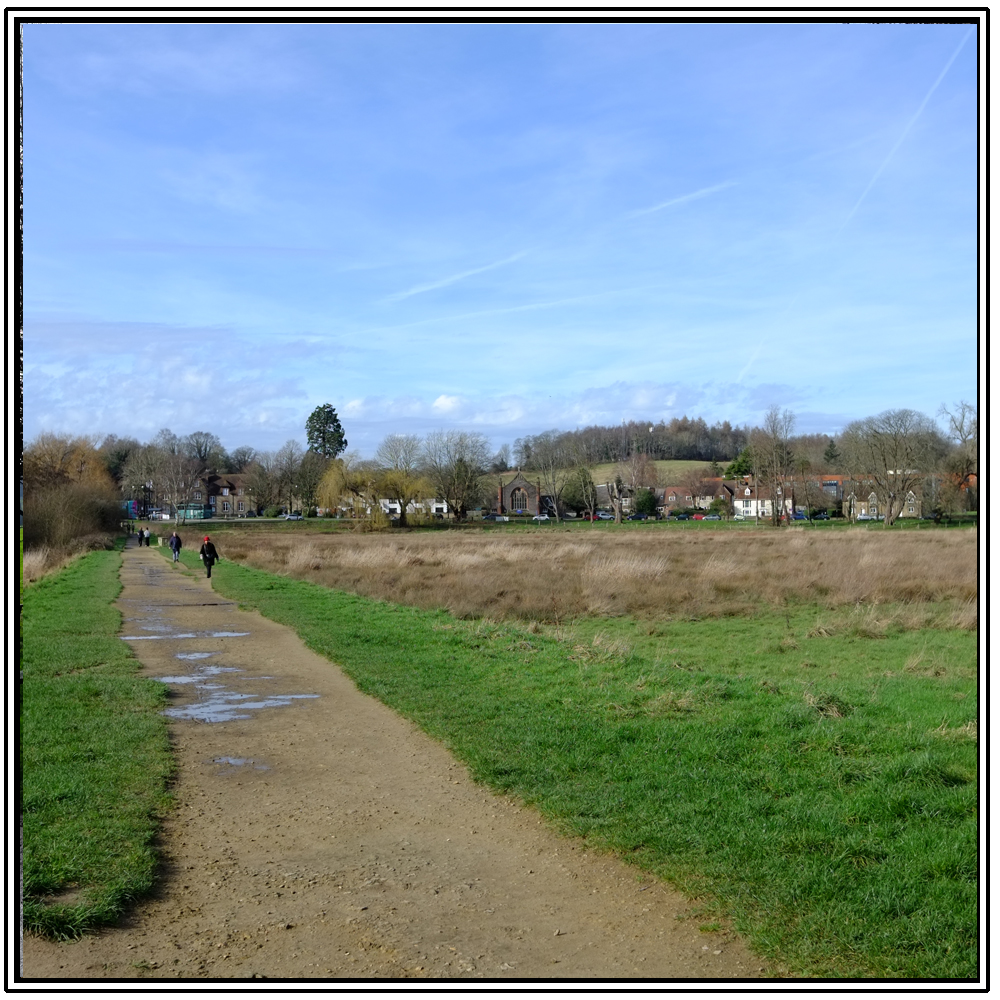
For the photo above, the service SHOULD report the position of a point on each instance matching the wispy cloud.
(906, 131)
(682, 200)
(451, 279)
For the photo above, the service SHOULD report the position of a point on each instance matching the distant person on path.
(175, 545)
(145, 538)
(208, 556)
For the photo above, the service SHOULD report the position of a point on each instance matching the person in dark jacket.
(175, 545)
(208, 555)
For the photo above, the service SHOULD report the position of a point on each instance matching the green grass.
(94, 754)
(819, 791)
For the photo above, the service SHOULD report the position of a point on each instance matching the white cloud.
(446, 404)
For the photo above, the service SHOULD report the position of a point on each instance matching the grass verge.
(94, 754)
(817, 786)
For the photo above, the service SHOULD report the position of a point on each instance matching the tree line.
(74, 485)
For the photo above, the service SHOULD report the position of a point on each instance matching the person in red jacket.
(208, 555)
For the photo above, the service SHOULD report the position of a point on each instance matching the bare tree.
(551, 458)
(961, 464)
(400, 452)
(287, 460)
(399, 478)
(773, 455)
(889, 452)
(260, 480)
(454, 463)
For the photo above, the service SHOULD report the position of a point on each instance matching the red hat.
(206, 538)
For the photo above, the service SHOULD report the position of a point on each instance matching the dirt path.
(317, 834)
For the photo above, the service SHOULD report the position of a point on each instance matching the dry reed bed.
(550, 576)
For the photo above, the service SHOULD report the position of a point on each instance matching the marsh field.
(783, 724)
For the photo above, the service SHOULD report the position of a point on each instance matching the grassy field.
(94, 754)
(808, 773)
(658, 571)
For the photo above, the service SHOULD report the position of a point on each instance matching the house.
(432, 506)
(223, 495)
(864, 503)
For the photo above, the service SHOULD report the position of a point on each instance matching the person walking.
(145, 538)
(175, 545)
(208, 556)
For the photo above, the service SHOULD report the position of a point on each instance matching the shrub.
(58, 515)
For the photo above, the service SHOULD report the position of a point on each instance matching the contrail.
(906, 130)
(417, 289)
(681, 200)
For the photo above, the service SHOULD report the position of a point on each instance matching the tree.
(356, 480)
(399, 478)
(645, 501)
(961, 465)
(580, 493)
(773, 452)
(550, 457)
(832, 455)
(501, 460)
(889, 453)
(241, 458)
(205, 450)
(311, 470)
(324, 432)
(116, 451)
(260, 480)
(287, 460)
(454, 463)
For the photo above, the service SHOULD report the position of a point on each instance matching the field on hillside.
(918, 578)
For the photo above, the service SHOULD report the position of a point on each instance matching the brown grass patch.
(653, 574)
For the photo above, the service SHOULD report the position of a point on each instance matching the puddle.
(177, 635)
(241, 762)
(182, 635)
(210, 671)
(215, 702)
(225, 706)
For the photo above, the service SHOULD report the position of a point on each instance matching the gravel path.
(317, 835)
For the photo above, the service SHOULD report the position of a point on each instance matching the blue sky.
(502, 228)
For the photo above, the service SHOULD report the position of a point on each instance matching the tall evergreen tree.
(324, 432)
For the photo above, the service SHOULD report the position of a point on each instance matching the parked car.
(698, 517)
(682, 517)
(541, 517)
(638, 517)
(605, 516)
(291, 517)
(821, 516)
(495, 517)
(866, 517)
(711, 517)
(799, 516)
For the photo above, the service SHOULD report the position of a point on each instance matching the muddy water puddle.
(241, 762)
(214, 702)
(180, 635)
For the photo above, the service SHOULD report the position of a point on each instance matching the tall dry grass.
(650, 573)
(45, 559)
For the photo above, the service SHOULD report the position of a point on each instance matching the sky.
(501, 228)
